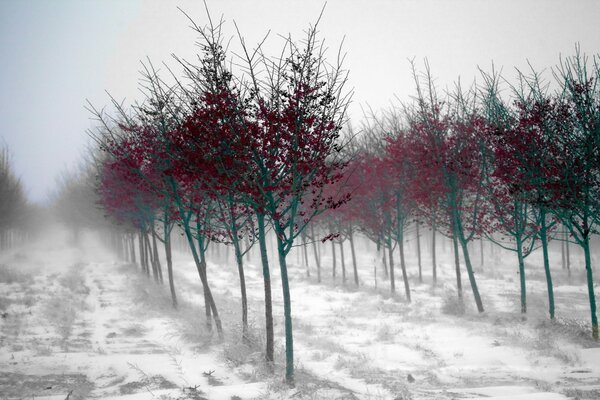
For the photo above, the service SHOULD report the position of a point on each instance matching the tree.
(447, 153)
(575, 194)
(13, 204)
(511, 212)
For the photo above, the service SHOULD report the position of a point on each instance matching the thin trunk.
(403, 266)
(141, 249)
(269, 351)
(314, 245)
(468, 265)
(391, 254)
(385, 264)
(200, 261)
(419, 254)
(563, 261)
(334, 263)
(522, 275)
(240, 264)
(351, 238)
(125, 245)
(132, 248)
(156, 258)
(568, 255)
(343, 262)
(170, 265)
(457, 265)
(149, 256)
(590, 284)
(433, 255)
(199, 265)
(305, 253)
(550, 286)
(202, 249)
(287, 311)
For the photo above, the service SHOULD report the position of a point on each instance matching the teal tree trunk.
(287, 308)
(156, 258)
(169, 257)
(521, 260)
(202, 253)
(590, 283)
(239, 258)
(403, 265)
(544, 240)
(262, 243)
(457, 262)
(468, 265)
(200, 265)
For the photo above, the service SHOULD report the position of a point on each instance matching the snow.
(81, 320)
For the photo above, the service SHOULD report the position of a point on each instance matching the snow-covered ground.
(76, 321)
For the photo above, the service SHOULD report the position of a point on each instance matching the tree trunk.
(590, 284)
(433, 254)
(269, 351)
(305, 254)
(210, 306)
(132, 248)
(343, 262)
(200, 266)
(287, 312)
(563, 260)
(150, 256)
(170, 265)
(385, 264)
(391, 256)
(351, 238)
(568, 255)
(550, 286)
(334, 263)
(457, 264)
(403, 266)
(202, 249)
(141, 249)
(522, 275)
(156, 258)
(468, 265)
(419, 253)
(314, 245)
(239, 258)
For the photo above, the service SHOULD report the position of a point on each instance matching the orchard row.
(229, 152)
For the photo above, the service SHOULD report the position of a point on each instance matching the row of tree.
(509, 165)
(229, 152)
(228, 157)
(14, 206)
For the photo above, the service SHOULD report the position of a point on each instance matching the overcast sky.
(56, 54)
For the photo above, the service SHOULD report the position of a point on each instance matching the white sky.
(55, 54)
